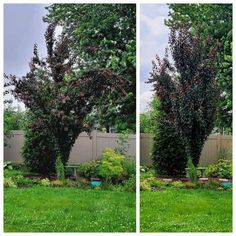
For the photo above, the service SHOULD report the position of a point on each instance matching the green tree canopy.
(103, 35)
(149, 119)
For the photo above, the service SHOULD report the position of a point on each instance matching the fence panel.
(85, 148)
(209, 155)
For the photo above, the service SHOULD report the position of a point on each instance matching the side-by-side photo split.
(117, 117)
(186, 118)
(69, 118)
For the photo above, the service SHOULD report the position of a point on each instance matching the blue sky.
(153, 41)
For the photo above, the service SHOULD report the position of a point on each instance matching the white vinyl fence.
(209, 155)
(85, 148)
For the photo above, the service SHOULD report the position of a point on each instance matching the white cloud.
(153, 41)
(145, 98)
(154, 38)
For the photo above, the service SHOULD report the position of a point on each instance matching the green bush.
(21, 181)
(11, 173)
(83, 183)
(111, 167)
(8, 165)
(45, 182)
(57, 183)
(222, 169)
(177, 184)
(155, 183)
(130, 184)
(60, 169)
(89, 169)
(9, 182)
(168, 153)
(192, 171)
(129, 168)
(71, 183)
(190, 185)
(211, 184)
(39, 151)
(144, 185)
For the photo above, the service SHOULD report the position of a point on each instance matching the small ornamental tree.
(187, 91)
(59, 96)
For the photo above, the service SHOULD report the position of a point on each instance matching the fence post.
(94, 145)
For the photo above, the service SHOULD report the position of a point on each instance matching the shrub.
(111, 167)
(222, 169)
(145, 186)
(9, 182)
(11, 173)
(57, 183)
(83, 183)
(45, 182)
(129, 168)
(21, 181)
(38, 151)
(8, 165)
(148, 174)
(71, 183)
(192, 171)
(177, 184)
(214, 185)
(88, 169)
(130, 184)
(155, 183)
(190, 185)
(60, 169)
(168, 154)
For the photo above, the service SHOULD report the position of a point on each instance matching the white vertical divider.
(137, 117)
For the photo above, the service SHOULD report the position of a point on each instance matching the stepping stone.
(223, 180)
(167, 180)
(203, 179)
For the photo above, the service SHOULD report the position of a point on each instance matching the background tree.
(215, 21)
(148, 119)
(187, 91)
(59, 96)
(14, 119)
(103, 35)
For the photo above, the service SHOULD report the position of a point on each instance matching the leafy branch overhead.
(103, 35)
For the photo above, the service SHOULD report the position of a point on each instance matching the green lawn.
(186, 211)
(42, 209)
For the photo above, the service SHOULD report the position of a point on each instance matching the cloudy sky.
(153, 40)
(23, 27)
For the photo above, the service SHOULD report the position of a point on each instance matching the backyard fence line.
(85, 148)
(209, 155)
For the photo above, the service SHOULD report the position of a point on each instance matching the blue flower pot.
(227, 185)
(95, 183)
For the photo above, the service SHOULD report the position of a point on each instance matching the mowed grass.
(186, 211)
(42, 209)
